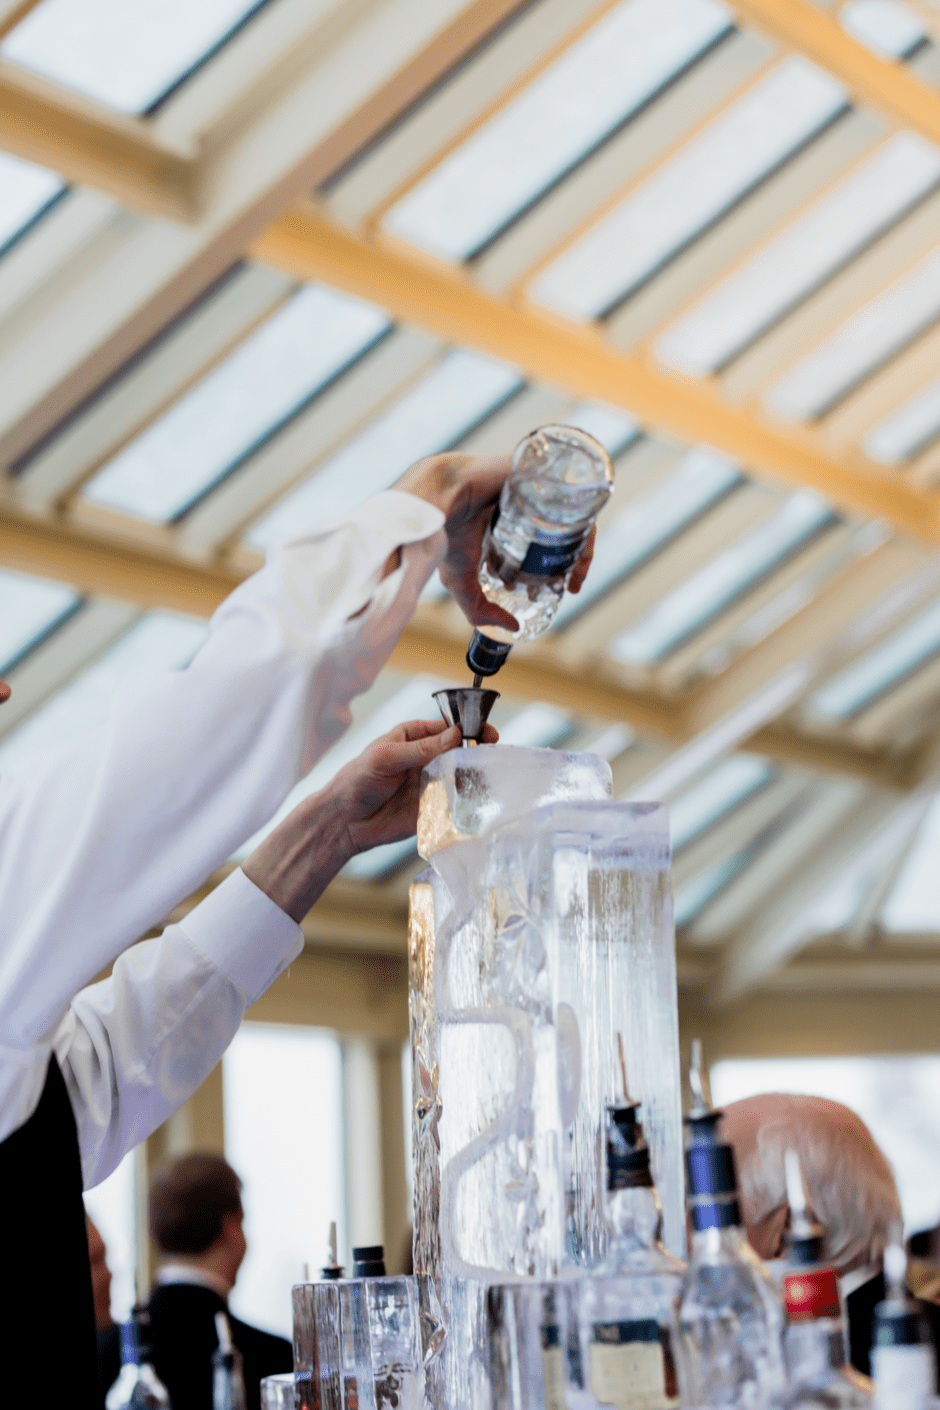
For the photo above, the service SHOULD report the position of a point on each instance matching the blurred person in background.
(100, 1276)
(849, 1186)
(196, 1222)
(104, 837)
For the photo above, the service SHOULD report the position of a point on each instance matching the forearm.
(296, 863)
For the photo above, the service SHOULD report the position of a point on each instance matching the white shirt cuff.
(244, 934)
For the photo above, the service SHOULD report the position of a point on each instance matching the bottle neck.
(634, 1220)
(715, 1243)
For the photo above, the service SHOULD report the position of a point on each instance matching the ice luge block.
(541, 930)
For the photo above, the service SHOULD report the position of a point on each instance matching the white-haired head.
(848, 1181)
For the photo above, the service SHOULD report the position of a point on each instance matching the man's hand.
(371, 801)
(467, 489)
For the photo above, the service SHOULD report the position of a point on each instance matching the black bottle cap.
(331, 1273)
(900, 1324)
(484, 655)
(806, 1249)
(628, 1157)
(369, 1261)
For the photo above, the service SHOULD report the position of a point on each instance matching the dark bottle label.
(548, 560)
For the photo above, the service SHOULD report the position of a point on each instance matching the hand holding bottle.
(467, 488)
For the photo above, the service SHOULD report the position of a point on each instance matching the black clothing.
(860, 1312)
(183, 1338)
(49, 1324)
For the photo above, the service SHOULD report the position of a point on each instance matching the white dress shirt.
(102, 838)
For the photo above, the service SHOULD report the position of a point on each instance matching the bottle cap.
(899, 1320)
(332, 1272)
(805, 1239)
(369, 1261)
(628, 1156)
(484, 655)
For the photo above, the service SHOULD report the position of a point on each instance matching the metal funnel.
(469, 708)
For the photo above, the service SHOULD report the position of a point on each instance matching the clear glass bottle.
(627, 1303)
(561, 479)
(138, 1387)
(228, 1369)
(729, 1319)
(903, 1357)
(820, 1376)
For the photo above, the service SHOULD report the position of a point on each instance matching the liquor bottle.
(729, 1320)
(820, 1376)
(560, 481)
(627, 1302)
(903, 1358)
(138, 1386)
(228, 1374)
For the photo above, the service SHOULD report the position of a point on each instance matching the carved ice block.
(541, 930)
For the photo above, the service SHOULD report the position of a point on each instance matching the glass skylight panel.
(727, 785)
(443, 407)
(908, 430)
(24, 190)
(125, 53)
(161, 641)
(914, 903)
(889, 29)
(692, 898)
(256, 388)
(861, 344)
(785, 271)
(878, 671)
(554, 122)
(645, 525)
(710, 173)
(612, 428)
(30, 608)
(535, 727)
(681, 613)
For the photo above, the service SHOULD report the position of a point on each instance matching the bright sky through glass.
(908, 430)
(125, 53)
(557, 118)
(648, 522)
(460, 391)
(914, 903)
(889, 29)
(257, 387)
(878, 670)
(29, 608)
(686, 609)
(161, 641)
(710, 173)
(810, 250)
(861, 345)
(728, 784)
(24, 190)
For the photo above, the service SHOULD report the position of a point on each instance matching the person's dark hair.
(190, 1195)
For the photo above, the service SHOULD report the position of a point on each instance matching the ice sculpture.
(541, 930)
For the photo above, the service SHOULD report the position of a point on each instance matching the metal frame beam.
(443, 301)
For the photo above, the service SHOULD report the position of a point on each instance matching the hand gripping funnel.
(467, 707)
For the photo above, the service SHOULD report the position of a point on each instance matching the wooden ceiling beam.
(90, 144)
(889, 87)
(149, 577)
(444, 301)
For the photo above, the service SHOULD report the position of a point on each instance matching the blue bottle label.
(548, 560)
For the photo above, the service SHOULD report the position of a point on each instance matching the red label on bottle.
(812, 1294)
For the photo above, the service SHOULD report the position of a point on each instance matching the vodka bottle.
(729, 1318)
(228, 1375)
(137, 1387)
(627, 1304)
(820, 1377)
(903, 1359)
(561, 479)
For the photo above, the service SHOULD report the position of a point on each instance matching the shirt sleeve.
(102, 839)
(134, 1047)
